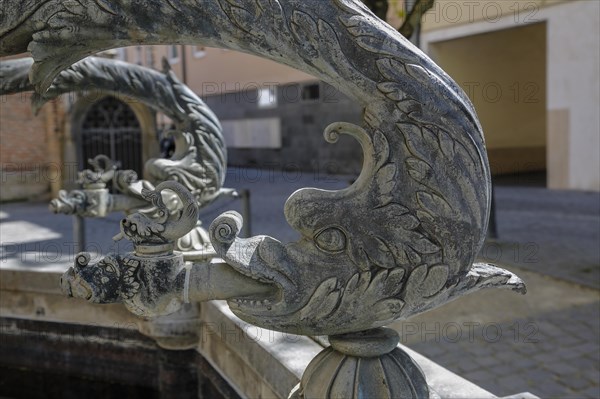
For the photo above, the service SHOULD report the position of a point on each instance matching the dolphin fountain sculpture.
(400, 240)
(199, 161)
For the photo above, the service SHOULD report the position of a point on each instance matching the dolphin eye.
(332, 239)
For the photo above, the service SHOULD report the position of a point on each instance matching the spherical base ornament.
(366, 364)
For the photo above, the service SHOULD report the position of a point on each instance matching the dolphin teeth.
(253, 302)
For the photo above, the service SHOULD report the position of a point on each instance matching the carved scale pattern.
(403, 237)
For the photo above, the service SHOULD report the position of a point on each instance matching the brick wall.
(29, 163)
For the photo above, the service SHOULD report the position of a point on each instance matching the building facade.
(531, 69)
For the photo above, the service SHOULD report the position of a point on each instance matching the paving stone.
(466, 367)
(509, 356)
(561, 368)
(512, 384)
(528, 349)
(523, 363)
(432, 350)
(538, 376)
(488, 361)
(507, 367)
(575, 382)
(480, 376)
(585, 348)
(588, 362)
(549, 330)
(582, 334)
(551, 390)
(569, 340)
(544, 346)
(567, 354)
(591, 392)
(481, 349)
(544, 358)
(503, 368)
(494, 387)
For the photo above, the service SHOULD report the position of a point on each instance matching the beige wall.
(395, 14)
(574, 95)
(448, 13)
(221, 71)
(504, 74)
(231, 71)
(572, 82)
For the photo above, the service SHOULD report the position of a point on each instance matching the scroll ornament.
(402, 239)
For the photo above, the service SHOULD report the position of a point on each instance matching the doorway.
(110, 127)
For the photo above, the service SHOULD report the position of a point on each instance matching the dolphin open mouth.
(260, 268)
(260, 258)
(265, 299)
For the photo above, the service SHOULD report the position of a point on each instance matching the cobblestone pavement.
(553, 355)
(550, 232)
(546, 342)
